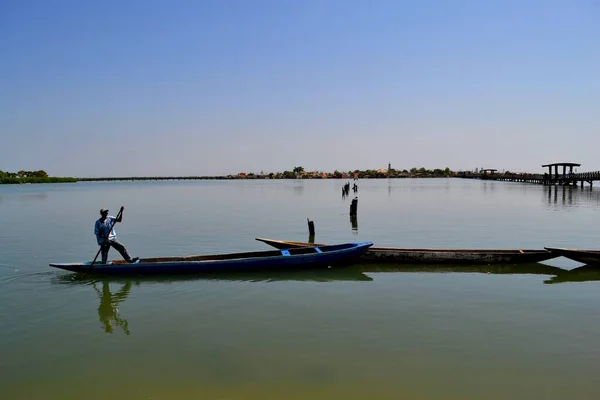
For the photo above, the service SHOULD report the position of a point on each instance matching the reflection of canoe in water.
(590, 257)
(497, 269)
(306, 275)
(297, 258)
(585, 273)
(434, 256)
(355, 273)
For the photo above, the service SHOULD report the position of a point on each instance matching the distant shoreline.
(207, 178)
(17, 181)
(41, 176)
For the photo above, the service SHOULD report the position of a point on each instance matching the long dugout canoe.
(434, 256)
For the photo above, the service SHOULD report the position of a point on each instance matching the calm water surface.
(379, 332)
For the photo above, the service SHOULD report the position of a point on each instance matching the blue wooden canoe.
(305, 257)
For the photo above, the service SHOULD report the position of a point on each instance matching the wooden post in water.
(354, 206)
(311, 231)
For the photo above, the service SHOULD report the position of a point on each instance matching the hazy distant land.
(296, 173)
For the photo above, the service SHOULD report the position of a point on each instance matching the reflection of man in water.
(108, 311)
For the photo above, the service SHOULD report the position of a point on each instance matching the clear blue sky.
(122, 88)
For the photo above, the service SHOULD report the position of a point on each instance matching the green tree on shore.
(23, 176)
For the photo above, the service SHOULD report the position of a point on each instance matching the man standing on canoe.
(106, 236)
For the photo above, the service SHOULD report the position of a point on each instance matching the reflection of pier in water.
(570, 196)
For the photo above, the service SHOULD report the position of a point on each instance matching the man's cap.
(103, 210)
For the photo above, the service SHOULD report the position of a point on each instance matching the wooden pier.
(557, 177)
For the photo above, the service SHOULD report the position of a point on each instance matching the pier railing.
(504, 176)
(544, 179)
(587, 176)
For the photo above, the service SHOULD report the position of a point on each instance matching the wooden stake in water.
(354, 206)
(311, 227)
